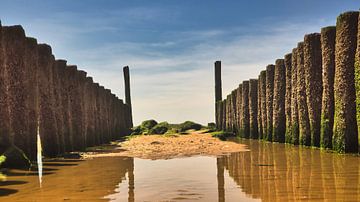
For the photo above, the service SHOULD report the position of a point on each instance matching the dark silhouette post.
(218, 91)
(127, 92)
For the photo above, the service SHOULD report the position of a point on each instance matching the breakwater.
(38, 91)
(310, 97)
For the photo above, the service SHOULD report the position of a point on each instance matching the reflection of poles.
(131, 182)
(220, 179)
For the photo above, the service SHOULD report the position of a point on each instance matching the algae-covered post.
(260, 128)
(223, 104)
(279, 102)
(233, 111)
(288, 75)
(357, 80)
(304, 124)
(313, 80)
(294, 100)
(245, 109)
(328, 69)
(127, 93)
(218, 90)
(269, 101)
(253, 108)
(262, 94)
(240, 110)
(345, 138)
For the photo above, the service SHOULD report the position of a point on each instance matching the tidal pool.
(268, 172)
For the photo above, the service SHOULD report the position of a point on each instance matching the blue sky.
(171, 45)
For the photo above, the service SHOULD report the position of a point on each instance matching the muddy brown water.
(268, 172)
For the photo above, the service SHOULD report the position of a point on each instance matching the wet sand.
(170, 146)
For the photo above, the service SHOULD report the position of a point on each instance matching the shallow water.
(268, 172)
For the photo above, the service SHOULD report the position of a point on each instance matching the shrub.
(188, 125)
(222, 135)
(160, 128)
(148, 124)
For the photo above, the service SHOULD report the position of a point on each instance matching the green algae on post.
(304, 124)
(294, 137)
(313, 80)
(328, 69)
(345, 138)
(253, 108)
(288, 75)
(279, 102)
(269, 101)
(245, 109)
(262, 94)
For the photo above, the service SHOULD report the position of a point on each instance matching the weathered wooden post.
(245, 109)
(294, 100)
(127, 93)
(328, 68)
(279, 102)
(262, 94)
(288, 75)
(313, 79)
(357, 80)
(32, 102)
(253, 108)
(304, 124)
(233, 110)
(218, 90)
(240, 111)
(14, 51)
(58, 66)
(269, 101)
(76, 108)
(5, 139)
(48, 130)
(224, 114)
(96, 88)
(260, 127)
(90, 111)
(81, 77)
(228, 108)
(345, 138)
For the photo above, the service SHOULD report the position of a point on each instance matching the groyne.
(41, 93)
(310, 97)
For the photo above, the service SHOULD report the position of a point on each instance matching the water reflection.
(278, 172)
(70, 180)
(268, 172)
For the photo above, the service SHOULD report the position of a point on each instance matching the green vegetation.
(14, 157)
(189, 125)
(357, 87)
(160, 128)
(151, 126)
(222, 135)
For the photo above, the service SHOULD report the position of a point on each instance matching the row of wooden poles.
(39, 94)
(311, 97)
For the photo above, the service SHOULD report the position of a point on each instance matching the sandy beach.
(168, 146)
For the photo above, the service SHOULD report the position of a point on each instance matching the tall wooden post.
(218, 91)
(127, 93)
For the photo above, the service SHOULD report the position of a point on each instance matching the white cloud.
(171, 81)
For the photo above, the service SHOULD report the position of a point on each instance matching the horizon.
(171, 47)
